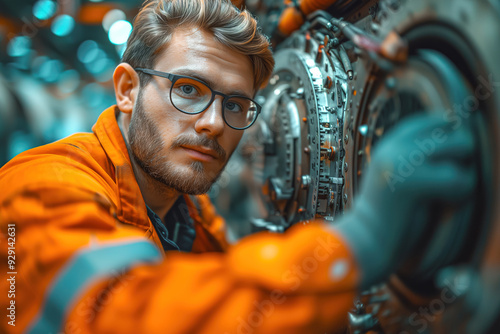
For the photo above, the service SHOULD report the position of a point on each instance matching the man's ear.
(126, 82)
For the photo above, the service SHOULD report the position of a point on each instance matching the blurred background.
(56, 63)
(57, 58)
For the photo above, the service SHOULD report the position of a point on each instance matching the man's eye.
(234, 107)
(187, 89)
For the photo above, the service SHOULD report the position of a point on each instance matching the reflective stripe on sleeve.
(85, 268)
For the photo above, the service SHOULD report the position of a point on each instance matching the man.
(82, 209)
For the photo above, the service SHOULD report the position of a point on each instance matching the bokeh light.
(44, 9)
(95, 66)
(111, 17)
(37, 64)
(107, 69)
(88, 51)
(50, 70)
(119, 32)
(63, 25)
(19, 46)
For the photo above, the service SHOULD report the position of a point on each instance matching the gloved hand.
(421, 162)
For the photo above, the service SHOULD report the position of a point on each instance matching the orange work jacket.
(80, 255)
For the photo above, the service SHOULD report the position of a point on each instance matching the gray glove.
(420, 163)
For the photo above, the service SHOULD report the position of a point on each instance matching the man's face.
(188, 152)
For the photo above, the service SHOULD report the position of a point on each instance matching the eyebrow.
(209, 82)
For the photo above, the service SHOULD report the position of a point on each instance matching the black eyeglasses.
(193, 96)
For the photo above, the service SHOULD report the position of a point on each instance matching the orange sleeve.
(300, 282)
(79, 270)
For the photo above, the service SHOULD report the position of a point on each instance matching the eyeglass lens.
(192, 96)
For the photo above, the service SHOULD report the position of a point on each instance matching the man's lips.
(201, 153)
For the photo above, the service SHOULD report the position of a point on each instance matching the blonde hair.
(234, 28)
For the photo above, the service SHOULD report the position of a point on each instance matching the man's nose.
(211, 120)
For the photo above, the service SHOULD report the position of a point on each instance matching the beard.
(146, 145)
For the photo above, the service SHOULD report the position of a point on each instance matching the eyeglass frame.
(174, 77)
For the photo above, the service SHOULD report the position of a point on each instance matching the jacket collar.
(132, 208)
